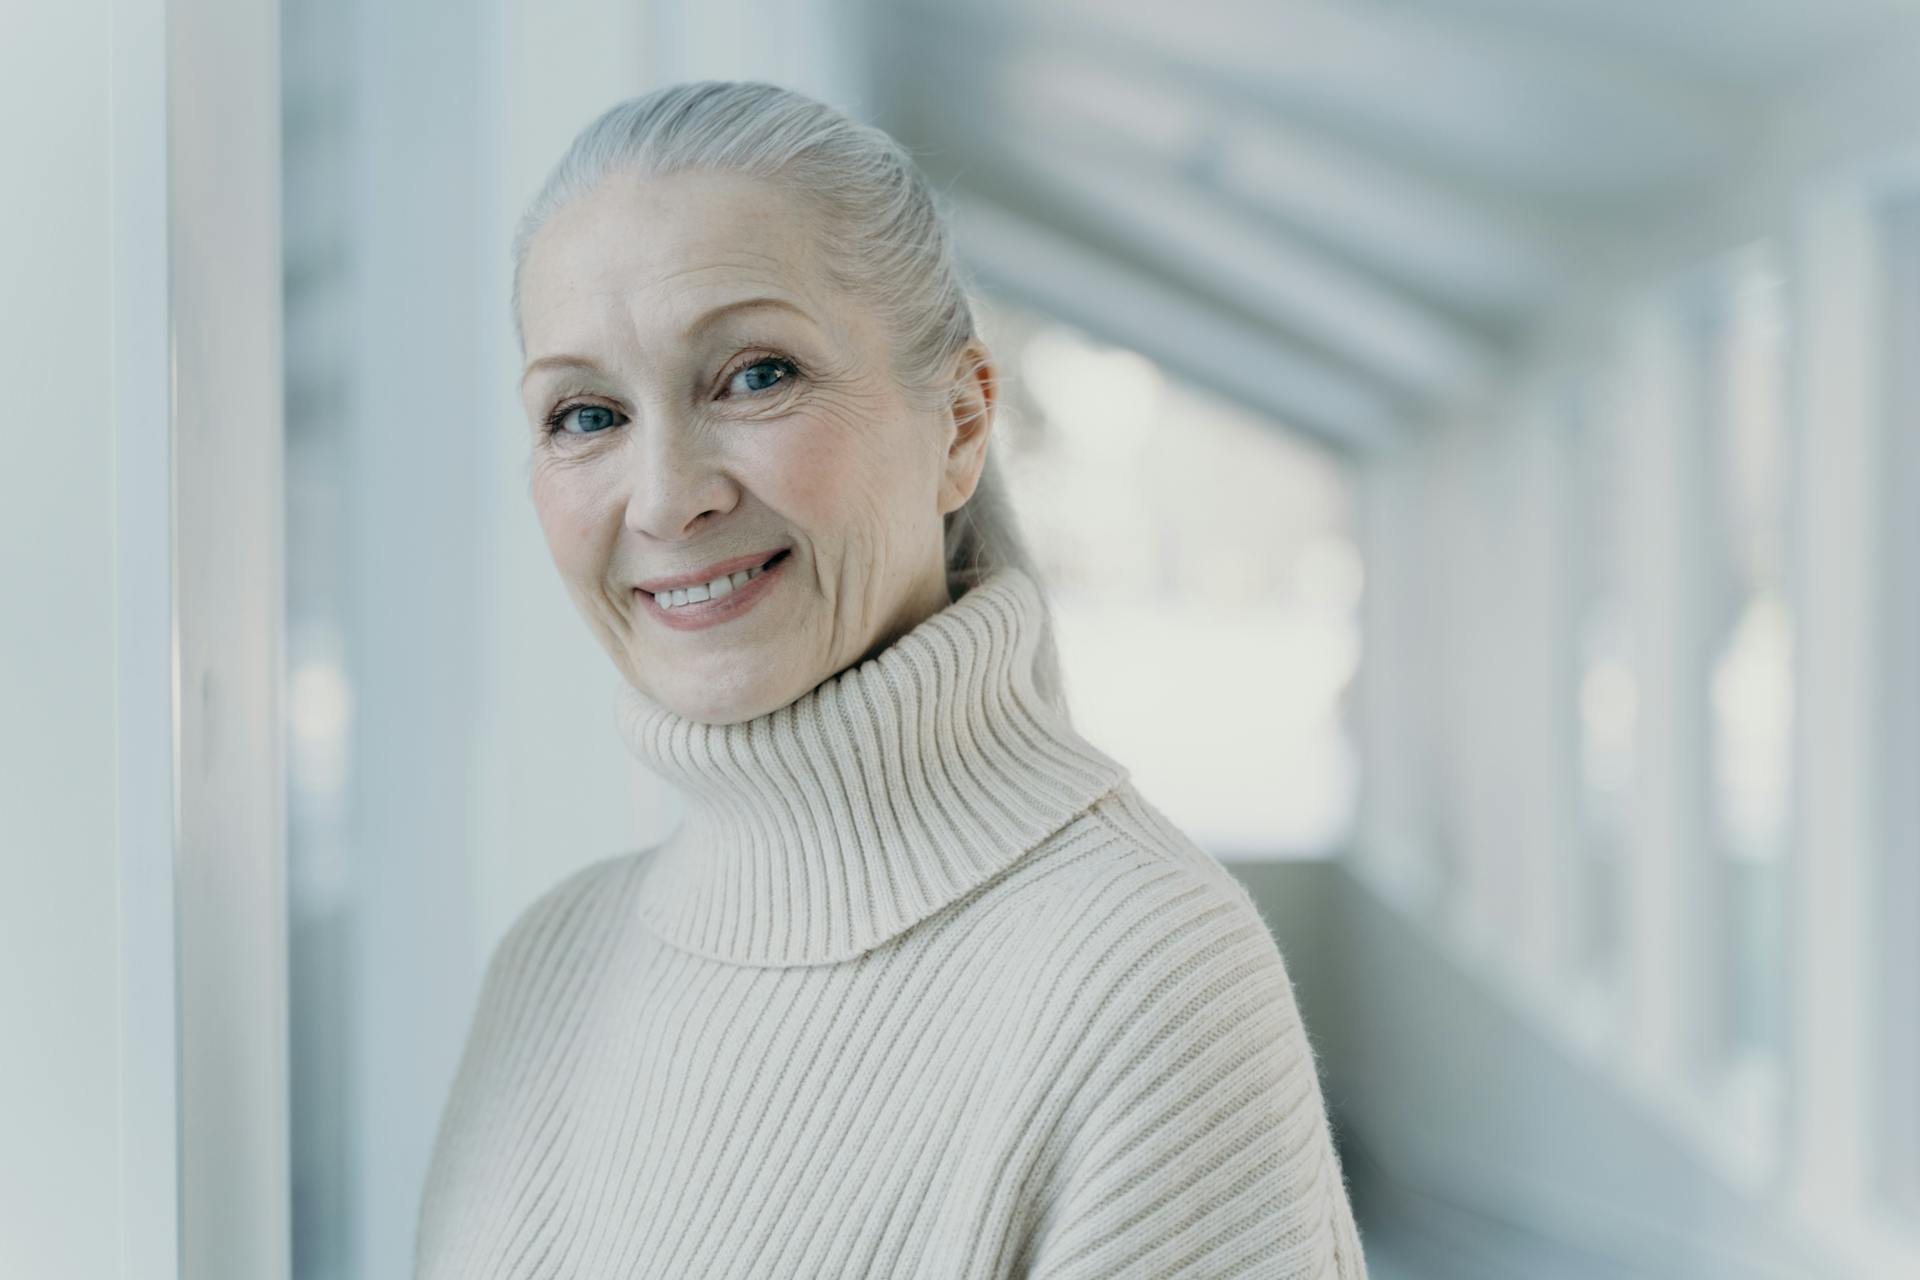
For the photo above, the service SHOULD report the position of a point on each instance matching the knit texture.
(921, 987)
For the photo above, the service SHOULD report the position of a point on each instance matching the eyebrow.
(738, 304)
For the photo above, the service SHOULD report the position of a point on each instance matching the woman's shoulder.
(1189, 1099)
(1157, 956)
(1138, 903)
(1136, 865)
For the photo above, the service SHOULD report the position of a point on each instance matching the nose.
(677, 479)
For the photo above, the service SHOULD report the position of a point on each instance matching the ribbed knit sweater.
(921, 986)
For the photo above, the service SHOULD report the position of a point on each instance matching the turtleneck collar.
(822, 829)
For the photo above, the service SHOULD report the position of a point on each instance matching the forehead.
(643, 259)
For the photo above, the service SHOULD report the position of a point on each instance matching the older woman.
(921, 986)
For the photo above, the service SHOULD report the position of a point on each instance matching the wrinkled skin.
(680, 444)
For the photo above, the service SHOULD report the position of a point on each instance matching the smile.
(690, 608)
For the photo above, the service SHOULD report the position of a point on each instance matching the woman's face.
(700, 396)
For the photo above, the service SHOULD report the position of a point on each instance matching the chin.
(719, 701)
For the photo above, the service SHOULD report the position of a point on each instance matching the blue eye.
(764, 374)
(758, 379)
(594, 418)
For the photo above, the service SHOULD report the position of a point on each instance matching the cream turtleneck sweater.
(920, 987)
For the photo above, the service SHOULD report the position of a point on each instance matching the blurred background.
(1495, 423)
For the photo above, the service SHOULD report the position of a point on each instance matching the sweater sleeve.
(1209, 1152)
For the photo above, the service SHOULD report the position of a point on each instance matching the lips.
(721, 609)
(718, 569)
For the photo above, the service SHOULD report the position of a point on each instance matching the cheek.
(799, 476)
(573, 512)
(842, 469)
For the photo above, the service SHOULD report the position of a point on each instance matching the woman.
(921, 986)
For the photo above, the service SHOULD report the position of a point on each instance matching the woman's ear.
(970, 407)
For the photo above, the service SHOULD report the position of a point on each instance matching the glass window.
(1749, 683)
(1206, 581)
(317, 191)
(1607, 693)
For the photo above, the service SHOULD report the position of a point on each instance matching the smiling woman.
(722, 393)
(922, 984)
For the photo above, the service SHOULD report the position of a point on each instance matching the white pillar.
(141, 859)
(144, 675)
(86, 1080)
(228, 432)
(1666, 905)
(1900, 900)
(1840, 434)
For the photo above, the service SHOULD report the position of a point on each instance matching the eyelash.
(792, 369)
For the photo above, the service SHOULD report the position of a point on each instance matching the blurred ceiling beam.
(1737, 46)
(1481, 96)
(1063, 277)
(1480, 249)
(1161, 218)
(1483, 254)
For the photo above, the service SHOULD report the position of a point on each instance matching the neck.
(817, 831)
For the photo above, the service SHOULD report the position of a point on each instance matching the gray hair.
(885, 241)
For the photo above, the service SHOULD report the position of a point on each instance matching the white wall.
(59, 957)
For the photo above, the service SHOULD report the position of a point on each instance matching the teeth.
(718, 587)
